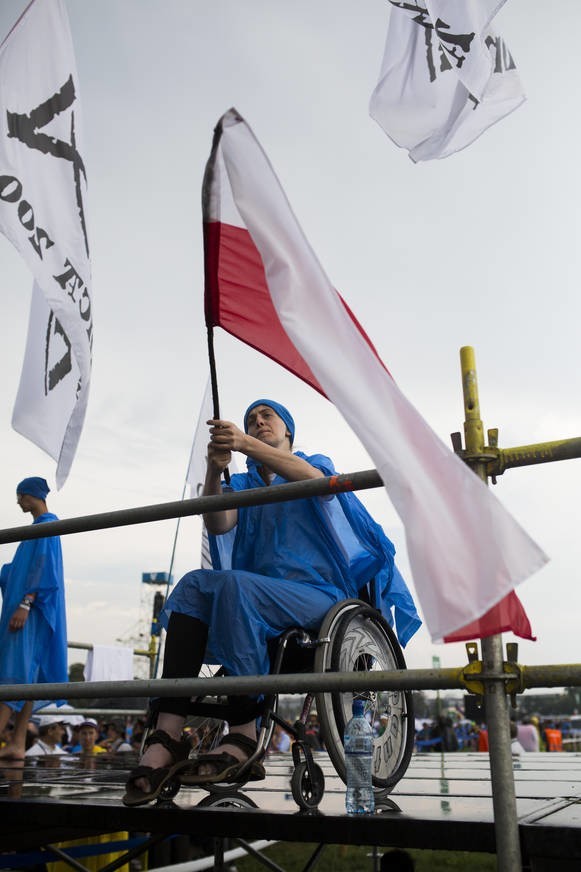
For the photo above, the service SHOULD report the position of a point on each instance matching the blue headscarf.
(282, 413)
(33, 487)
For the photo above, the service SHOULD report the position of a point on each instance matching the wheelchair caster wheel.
(170, 789)
(234, 800)
(225, 789)
(307, 792)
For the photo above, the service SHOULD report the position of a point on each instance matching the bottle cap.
(358, 707)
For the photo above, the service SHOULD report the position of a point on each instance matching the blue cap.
(33, 487)
(282, 413)
(358, 707)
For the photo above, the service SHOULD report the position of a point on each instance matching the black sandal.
(159, 777)
(229, 770)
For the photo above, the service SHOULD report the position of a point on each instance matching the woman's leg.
(248, 729)
(183, 657)
(186, 644)
(16, 746)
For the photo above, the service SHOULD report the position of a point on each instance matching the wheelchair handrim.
(392, 752)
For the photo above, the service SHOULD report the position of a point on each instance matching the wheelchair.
(353, 637)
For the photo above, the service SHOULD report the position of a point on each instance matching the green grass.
(293, 857)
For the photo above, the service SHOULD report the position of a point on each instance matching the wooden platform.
(444, 802)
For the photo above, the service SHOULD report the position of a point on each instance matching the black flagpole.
(214, 383)
(216, 414)
(209, 176)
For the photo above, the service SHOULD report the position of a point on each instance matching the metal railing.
(150, 652)
(88, 646)
(515, 678)
(278, 493)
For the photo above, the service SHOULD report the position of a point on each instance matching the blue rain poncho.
(286, 565)
(37, 652)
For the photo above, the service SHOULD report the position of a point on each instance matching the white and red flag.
(445, 78)
(466, 551)
(42, 212)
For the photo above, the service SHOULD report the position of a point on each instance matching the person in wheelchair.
(276, 566)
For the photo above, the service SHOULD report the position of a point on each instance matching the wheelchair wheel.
(307, 792)
(205, 731)
(233, 800)
(360, 640)
(169, 790)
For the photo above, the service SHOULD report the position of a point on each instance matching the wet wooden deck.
(444, 802)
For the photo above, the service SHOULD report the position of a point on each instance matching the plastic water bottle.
(358, 741)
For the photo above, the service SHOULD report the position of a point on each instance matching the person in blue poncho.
(275, 566)
(33, 635)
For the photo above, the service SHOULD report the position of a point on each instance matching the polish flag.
(237, 297)
(265, 285)
(506, 615)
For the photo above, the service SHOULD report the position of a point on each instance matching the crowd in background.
(71, 733)
(448, 732)
(76, 734)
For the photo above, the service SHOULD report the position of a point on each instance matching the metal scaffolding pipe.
(501, 774)
(541, 452)
(302, 682)
(88, 646)
(454, 678)
(112, 713)
(500, 755)
(278, 493)
(554, 675)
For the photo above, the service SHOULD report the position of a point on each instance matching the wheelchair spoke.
(363, 642)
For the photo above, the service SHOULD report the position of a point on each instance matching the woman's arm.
(279, 460)
(223, 521)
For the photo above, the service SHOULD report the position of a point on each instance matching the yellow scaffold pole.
(496, 702)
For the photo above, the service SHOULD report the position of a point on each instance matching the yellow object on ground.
(91, 863)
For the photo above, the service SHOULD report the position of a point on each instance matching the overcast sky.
(479, 249)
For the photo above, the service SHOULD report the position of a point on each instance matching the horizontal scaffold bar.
(541, 452)
(88, 646)
(278, 493)
(527, 677)
(112, 714)
(303, 682)
(553, 675)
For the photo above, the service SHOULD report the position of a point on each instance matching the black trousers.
(185, 647)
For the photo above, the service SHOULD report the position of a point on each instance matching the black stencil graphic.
(453, 48)
(57, 354)
(26, 129)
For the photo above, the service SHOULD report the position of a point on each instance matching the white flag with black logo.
(42, 212)
(196, 474)
(445, 78)
(197, 467)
